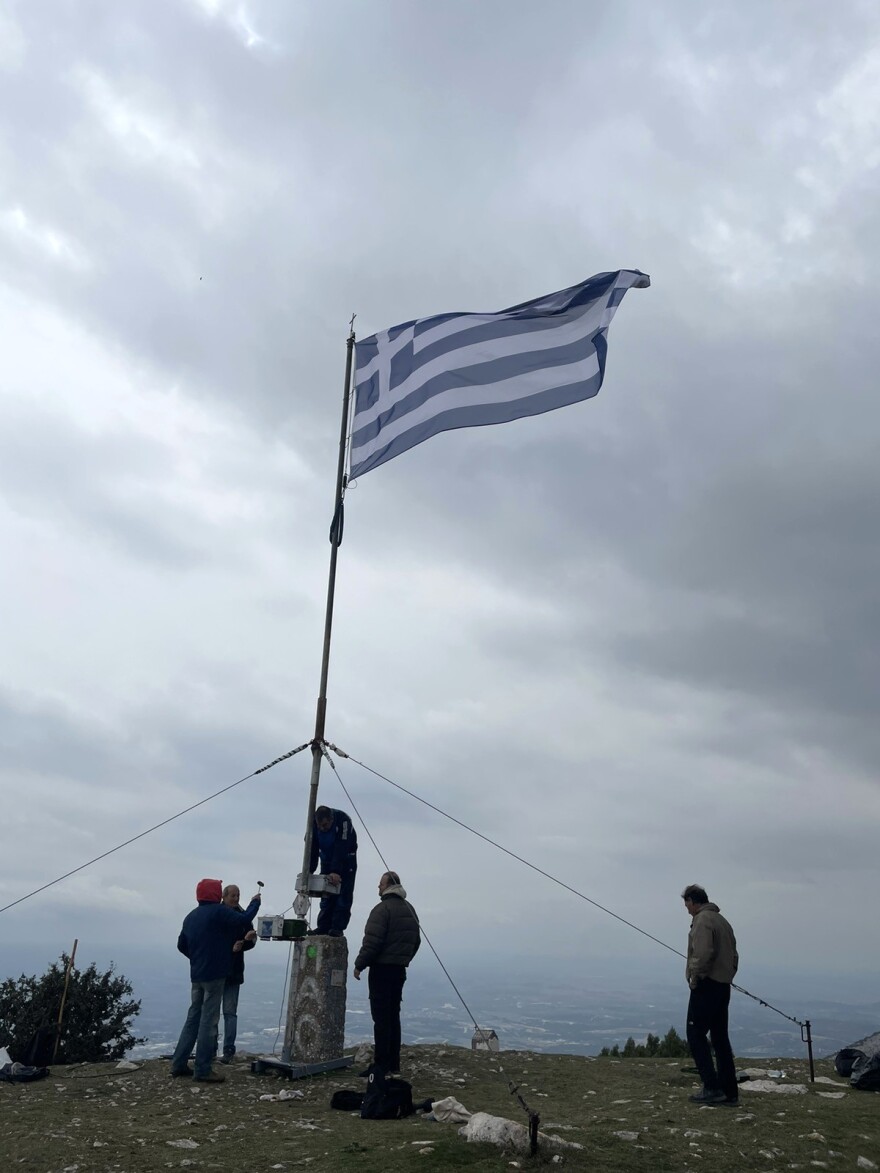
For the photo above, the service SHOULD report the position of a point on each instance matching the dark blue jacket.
(338, 851)
(236, 974)
(207, 937)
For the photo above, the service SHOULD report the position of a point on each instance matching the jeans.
(200, 1028)
(230, 1015)
(386, 993)
(707, 1014)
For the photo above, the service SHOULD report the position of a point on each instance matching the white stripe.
(517, 387)
(553, 335)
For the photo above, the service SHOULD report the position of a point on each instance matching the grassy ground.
(92, 1119)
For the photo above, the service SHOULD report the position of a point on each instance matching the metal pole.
(320, 714)
(809, 1041)
(70, 962)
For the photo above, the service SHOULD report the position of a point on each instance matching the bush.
(671, 1046)
(97, 1013)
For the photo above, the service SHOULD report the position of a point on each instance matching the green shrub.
(97, 1013)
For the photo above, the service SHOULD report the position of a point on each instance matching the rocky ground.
(626, 1114)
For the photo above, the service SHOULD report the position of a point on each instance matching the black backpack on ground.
(347, 1100)
(386, 1099)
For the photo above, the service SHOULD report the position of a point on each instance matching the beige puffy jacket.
(711, 948)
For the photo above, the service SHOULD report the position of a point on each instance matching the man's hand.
(238, 946)
(258, 897)
(334, 878)
(251, 936)
(357, 974)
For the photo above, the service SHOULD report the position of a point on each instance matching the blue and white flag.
(464, 370)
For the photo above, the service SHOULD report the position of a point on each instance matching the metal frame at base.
(298, 1070)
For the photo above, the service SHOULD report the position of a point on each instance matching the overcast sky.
(635, 640)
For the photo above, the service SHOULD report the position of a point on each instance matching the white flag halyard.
(465, 370)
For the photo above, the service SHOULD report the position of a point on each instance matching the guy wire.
(554, 879)
(511, 1086)
(155, 827)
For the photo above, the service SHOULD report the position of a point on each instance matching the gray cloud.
(651, 613)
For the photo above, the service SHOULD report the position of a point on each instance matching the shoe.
(335, 933)
(225, 1059)
(211, 1077)
(180, 1074)
(316, 933)
(728, 1102)
(708, 1095)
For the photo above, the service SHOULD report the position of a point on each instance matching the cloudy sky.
(634, 641)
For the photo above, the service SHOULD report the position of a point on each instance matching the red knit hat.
(209, 891)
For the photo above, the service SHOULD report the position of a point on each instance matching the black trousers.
(707, 1015)
(386, 993)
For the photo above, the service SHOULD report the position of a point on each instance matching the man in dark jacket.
(232, 988)
(712, 962)
(391, 941)
(207, 937)
(334, 842)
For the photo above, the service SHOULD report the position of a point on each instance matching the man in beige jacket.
(712, 962)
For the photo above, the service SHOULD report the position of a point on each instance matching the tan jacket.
(711, 948)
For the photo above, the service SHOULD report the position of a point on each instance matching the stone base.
(315, 1031)
(266, 1063)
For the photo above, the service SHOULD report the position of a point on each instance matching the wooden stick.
(64, 999)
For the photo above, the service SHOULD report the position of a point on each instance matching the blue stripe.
(478, 415)
(480, 375)
(494, 330)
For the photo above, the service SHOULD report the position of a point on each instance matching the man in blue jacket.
(334, 842)
(207, 937)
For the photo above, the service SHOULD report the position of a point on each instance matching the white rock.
(487, 1129)
(831, 1095)
(183, 1144)
(767, 1085)
(127, 1065)
(864, 1163)
(626, 1135)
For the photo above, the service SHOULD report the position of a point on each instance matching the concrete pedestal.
(315, 1030)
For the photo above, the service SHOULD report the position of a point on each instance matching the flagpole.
(301, 905)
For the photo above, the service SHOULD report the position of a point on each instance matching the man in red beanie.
(207, 937)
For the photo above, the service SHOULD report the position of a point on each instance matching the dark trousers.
(335, 911)
(707, 1015)
(386, 993)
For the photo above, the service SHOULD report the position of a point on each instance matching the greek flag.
(464, 370)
